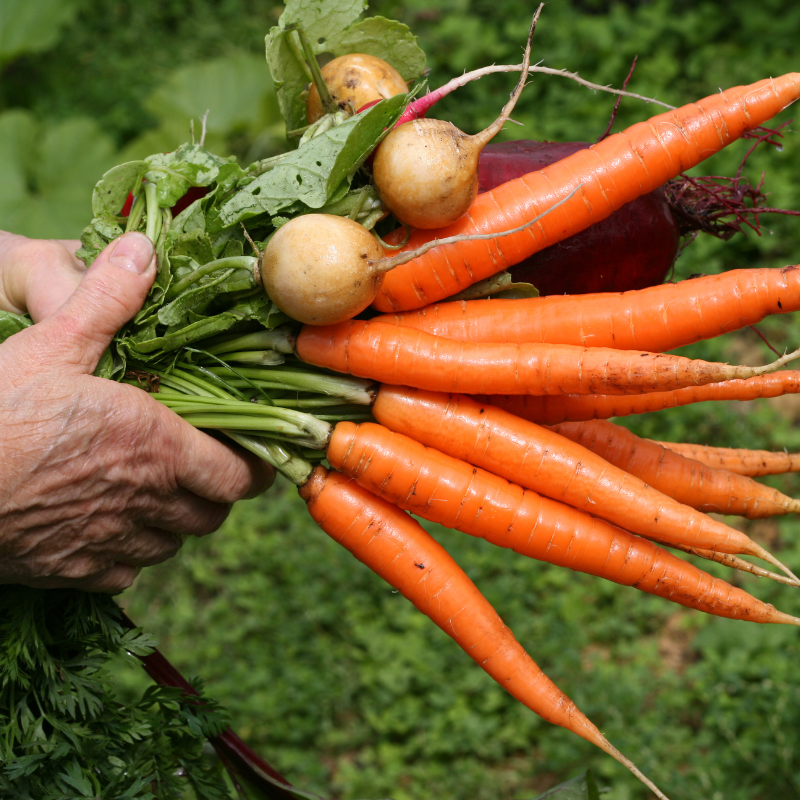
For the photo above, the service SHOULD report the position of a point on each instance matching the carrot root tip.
(626, 762)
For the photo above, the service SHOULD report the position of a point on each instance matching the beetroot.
(633, 248)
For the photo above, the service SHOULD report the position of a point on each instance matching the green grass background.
(335, 679)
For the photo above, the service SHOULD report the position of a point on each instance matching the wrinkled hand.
(96, 477)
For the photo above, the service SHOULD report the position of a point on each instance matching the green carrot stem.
(363, 416)
(232, 262)
(153, 211)
(243, 414)
(264, 358)
(293, 467)
(135, 215)
(351, 390)
(260, 340)
(309, 402)
(180, 379)
(255, 426)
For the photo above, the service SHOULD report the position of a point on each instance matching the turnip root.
(355, 80)
(426, 170)
(320, 269)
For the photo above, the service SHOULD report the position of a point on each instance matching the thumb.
(111, 292)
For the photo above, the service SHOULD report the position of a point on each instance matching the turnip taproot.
(355, 80)
(320, 269)
(426, 170)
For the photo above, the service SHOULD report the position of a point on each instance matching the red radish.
(194, 193)
(426, 170)
(355, 80)
(633, 248)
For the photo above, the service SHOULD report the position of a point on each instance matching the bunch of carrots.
(489, 416)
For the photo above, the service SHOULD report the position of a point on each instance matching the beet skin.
(633, 248)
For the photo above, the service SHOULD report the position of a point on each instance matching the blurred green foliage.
(337, 681)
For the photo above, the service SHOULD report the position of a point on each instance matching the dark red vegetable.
(194, 193)
(633, 248)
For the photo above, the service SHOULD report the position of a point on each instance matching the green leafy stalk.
(328, 103)
(232, 262)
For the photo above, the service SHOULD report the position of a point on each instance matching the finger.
(187, 514)
(150, 546)
(218, 472)
(111, 292)
(45, 294)
(102, 579)
(71, 246)
(113, 580)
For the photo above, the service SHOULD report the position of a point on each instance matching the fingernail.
(134, 252)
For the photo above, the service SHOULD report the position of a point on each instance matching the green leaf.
(329, 27)
(196, 244)
(321, 19)
(194, 301)
(112, 190)
(318, 170)
(11, 324)
(96, 236)
(31, 26)
(174, 173)
(385, 38)
(74, 777)
(289, 77)
(584, 787)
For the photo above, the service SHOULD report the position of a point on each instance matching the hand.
(37, 276)
(96, 477)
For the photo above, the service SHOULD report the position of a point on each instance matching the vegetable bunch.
(442, 409)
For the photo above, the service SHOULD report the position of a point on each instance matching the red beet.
(633, 248)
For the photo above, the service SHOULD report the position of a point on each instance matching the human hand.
(37, 276)
(96, 477)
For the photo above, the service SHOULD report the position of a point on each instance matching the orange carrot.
(612, 172)
(449, 491)
(576, 407)
(393, 354)
(684, 479)
(393, 545)
(753, 463)
(739, 563)
(655, 319)
(539, 459)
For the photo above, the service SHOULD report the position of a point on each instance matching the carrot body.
(539, 459)
(453, 493)
(684, 479)
(393, 545)
(611, 173)
(655, 319)
(575, 407)
(397, 355)
(753, 463)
